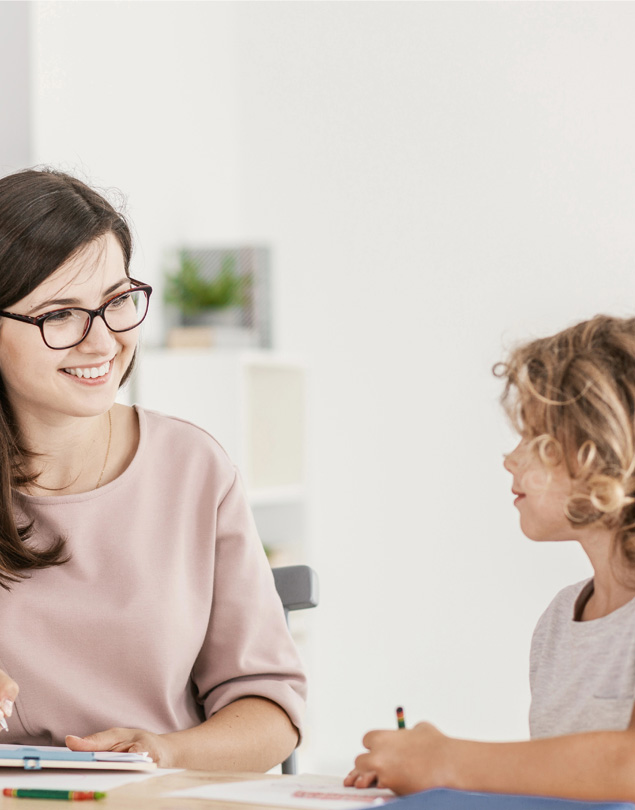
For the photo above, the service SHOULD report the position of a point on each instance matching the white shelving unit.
(254, 403)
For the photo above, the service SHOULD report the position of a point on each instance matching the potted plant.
(201, 300)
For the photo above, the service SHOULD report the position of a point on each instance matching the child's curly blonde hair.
(572, 396)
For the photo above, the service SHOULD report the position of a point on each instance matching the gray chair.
(297, 586)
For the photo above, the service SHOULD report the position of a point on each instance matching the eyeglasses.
(65, 328)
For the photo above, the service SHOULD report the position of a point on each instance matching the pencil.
(401, 721)
(65, 795)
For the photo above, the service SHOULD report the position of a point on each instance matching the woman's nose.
(99, 339)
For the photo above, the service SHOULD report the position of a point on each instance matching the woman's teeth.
(97, 371)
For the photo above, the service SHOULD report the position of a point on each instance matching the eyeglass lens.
(68, 326)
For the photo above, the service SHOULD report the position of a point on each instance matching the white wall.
(15, 98)
(437, 180)
(140, 96)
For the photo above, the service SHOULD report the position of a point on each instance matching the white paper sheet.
(74, 780)
(306, 791)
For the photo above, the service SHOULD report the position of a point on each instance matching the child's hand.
(406, 761)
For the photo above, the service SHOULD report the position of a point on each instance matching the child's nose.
(510, 460)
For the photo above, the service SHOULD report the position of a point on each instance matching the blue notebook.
(444, 799)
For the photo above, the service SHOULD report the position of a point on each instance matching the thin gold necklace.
(101, 474)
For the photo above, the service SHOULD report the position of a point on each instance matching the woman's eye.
(63, 316)
(120, 301)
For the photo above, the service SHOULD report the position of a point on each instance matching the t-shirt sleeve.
(535, 651)
(248, 650)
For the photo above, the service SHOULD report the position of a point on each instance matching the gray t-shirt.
(582, 674)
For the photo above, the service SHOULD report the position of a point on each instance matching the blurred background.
(430, 182)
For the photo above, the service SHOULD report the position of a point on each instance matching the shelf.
(276, 496)
(251, 401)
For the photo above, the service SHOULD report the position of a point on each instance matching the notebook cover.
(35, 758)
(445, 799)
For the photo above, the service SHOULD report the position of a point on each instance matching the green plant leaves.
(192, 293)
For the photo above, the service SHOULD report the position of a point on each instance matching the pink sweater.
(167, 610)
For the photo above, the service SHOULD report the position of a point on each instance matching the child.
(572, 399)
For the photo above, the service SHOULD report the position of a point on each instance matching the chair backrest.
(298, 588)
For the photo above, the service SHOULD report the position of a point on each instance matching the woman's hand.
(133, 740)
(404, 760)
(8, 693)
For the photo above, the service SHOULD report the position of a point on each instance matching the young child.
(572, 399)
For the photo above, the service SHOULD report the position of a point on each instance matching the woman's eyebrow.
(70, 302)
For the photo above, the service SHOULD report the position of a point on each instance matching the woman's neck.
(71, 456)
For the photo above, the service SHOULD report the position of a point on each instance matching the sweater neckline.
(54, 500)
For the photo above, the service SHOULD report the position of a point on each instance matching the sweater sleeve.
(248, 650)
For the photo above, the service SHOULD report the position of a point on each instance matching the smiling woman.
(99, 502)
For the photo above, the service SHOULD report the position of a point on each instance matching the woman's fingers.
(8, 693)
(8, 687)
(109, 740)
(134, 740)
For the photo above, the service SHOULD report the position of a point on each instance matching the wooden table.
(147, 795)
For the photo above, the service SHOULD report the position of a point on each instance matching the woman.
(138, 610)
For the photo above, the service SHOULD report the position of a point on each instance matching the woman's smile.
(97, 373)
(91, 375)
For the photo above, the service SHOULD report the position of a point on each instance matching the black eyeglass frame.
(39, 320)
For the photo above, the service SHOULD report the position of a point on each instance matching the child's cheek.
(535, 481)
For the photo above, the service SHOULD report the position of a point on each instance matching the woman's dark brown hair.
(46, 217)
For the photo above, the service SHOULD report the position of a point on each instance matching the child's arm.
(595, 765)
